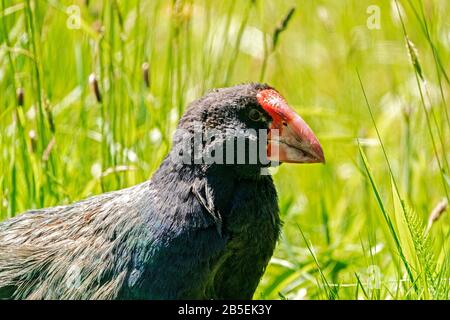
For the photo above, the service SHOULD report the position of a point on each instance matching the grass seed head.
(282, 27)
(33, 140)
(20, 96)
(414, 56)
(95, 87)
(146, 73)
(437, 212)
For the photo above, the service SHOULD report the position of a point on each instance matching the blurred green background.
(359, 227)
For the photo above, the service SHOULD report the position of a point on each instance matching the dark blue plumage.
(194, 231)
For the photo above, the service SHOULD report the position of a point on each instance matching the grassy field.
(371, 80)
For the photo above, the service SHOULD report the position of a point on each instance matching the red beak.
(290, 138)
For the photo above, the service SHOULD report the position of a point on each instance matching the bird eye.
(255, 115)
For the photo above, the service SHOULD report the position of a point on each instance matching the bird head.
(252, 113)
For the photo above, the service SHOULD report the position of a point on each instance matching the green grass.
(377, 99)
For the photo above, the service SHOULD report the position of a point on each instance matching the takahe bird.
(195, 230)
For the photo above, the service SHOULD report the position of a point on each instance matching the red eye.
(255, 115)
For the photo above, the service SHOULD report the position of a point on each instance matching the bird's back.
(79, 251)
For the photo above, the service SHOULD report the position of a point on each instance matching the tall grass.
(91, 109)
